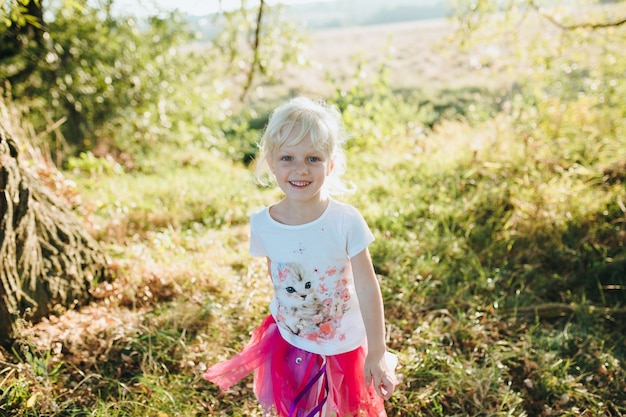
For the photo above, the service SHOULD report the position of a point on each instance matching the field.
(499, 221)
(414, 52)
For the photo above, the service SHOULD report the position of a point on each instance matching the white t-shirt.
(315, 304)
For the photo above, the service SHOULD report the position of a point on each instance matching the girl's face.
(300, 171)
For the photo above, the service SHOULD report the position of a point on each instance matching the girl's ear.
(331, 166)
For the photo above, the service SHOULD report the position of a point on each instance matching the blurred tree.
(475, 14)
(22, 40)
(256, 47)
(83, 65)
(559, 51)
(100, 78)
(258, 43)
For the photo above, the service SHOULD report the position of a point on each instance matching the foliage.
(115, 85)
(500, 250)
(94, 69)
(19, 13)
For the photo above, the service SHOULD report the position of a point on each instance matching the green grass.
(500, 252)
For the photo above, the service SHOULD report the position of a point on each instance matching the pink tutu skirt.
(292, 382)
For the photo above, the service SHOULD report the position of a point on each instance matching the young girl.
(321, 351)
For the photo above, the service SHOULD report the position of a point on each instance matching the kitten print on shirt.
(311, 303)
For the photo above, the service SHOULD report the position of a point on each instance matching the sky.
(191, 7)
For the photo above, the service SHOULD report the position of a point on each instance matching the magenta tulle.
(282, 372)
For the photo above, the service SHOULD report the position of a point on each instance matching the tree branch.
(255, 57)
(585, 25)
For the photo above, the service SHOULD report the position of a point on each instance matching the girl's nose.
(301, 167)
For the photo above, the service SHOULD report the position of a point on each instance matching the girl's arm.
(371, 302)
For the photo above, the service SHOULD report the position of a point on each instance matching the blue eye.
(286, 158)
(290, 290)
(314, 159)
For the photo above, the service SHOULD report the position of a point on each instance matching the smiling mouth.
(299, 184)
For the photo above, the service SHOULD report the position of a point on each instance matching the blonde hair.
(301, 118)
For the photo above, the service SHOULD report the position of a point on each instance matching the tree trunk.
(49, 262)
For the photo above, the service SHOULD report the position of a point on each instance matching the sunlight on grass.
(499, 248)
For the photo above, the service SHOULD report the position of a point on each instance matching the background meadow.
(490, 164)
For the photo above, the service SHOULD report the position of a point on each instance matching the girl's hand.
(378, 373)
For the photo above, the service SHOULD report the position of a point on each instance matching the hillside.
(332, 14)
(347, 13)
